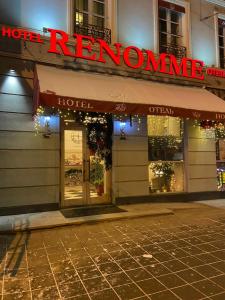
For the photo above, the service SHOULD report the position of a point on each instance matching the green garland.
(99, 140)
(99, 134)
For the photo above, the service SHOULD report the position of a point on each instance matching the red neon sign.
(131, 56)
(21, 34)
(215, 72)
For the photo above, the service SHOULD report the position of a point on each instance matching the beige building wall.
(200, 160)
(29, 164)
(130, 160)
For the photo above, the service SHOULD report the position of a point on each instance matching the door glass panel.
(73, 165)
(97, 176)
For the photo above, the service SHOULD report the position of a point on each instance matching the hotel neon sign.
(131, 56)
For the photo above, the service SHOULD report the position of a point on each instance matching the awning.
(85, 91)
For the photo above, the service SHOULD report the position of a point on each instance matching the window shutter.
(171, 6)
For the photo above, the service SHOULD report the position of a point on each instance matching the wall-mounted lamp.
(47, 132)
(122, 131)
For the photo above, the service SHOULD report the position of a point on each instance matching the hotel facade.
(111, 101)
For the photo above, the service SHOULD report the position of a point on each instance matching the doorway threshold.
(91, 210)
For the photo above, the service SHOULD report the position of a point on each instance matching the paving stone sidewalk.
(180, 256)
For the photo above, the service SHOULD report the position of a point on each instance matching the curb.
(12, 227)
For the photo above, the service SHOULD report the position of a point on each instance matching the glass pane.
(97, 175)
(162, 26)
(221, 41)
(165, 148)
(166, 177)
(221, 176)
(175, 16)
(221, 31)
(164, 126)
(222, 53)
(165, 138)
(174, 28)
(222, 63)
(81, 18)
(174, 40)
(162, 39)
(98, 21)
(99, 8)
(221, 149)
(81, 5)
(73, 164)
(162, 13)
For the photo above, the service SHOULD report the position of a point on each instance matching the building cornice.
(217, 2)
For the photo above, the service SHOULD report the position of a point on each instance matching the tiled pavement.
(179, 256)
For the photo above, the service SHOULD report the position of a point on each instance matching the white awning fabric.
(116, 94)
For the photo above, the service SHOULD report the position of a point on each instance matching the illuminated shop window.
(165, 154)
(221, 36)
(220, 157)
(171, 37)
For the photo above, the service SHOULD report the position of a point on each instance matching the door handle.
(88, 168)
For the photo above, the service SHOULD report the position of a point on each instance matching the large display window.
(220, 162)
(166, 154)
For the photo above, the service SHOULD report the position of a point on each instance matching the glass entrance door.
(84, 178)
(74, 171)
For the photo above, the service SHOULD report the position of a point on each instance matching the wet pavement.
(180, 256)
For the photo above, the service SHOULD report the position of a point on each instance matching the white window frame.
(185, 24)
(216, 18)
(110, 17)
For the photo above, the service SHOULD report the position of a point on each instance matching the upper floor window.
(221, 33)
(91, 18)
(170, 29)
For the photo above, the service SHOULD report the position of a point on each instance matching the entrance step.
(91, 210)
(53, 219)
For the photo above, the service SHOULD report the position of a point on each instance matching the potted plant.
(97, 175)
(165, 171)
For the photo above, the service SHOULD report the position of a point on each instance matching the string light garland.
(213, 129)
(99, 129)
(134, 120)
